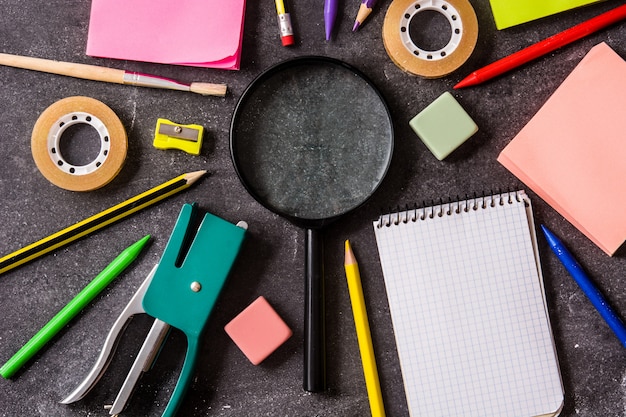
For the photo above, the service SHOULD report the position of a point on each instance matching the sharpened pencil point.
(192, 177)
(349, 259)
(364, 11)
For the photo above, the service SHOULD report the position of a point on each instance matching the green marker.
(68, 312)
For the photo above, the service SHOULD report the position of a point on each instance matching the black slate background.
(271, 262)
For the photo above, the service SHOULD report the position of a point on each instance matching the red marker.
(545, 46)
(284, 23)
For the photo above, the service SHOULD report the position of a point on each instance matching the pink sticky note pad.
(572, 153)
(204, 33)
(258, 330)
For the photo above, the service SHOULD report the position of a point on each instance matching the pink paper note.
(572, 153)
(203, 33)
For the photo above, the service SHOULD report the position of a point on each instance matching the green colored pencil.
(68, 312)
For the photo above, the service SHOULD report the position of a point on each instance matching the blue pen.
(590, 290)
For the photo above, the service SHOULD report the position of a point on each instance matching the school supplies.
(98, 221)
(586, 285)
(316, 183)
(364, 337)
(364, 11)
(509, 13)
(443, 125)
(544, 47)
(71, 309)
(108, 75)
(330, 15)
(52, 125)
(258, 330)
(284, 24)
(409, 56)
(202, 33)
(468, 308)
(572, 152)
(181, 292)
(170, 135)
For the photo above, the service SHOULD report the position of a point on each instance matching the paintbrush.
(109, 75)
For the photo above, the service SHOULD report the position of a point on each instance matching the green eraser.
(443, 126)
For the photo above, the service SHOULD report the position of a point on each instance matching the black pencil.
(98, 221)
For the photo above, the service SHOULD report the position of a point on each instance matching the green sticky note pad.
(443, 126)
(507, 13)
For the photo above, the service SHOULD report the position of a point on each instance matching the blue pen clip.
(180, 291)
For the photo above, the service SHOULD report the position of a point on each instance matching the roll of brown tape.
(46, 139)
(430, 64)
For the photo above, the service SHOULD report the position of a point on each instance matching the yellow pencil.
(280, 7)
(98, 221)
(363, 334)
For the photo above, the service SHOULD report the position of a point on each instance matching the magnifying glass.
(311, 139)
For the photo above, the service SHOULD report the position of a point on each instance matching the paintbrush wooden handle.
(88, 72)
(109, 75)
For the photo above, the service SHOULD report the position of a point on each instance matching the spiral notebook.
(468, 309)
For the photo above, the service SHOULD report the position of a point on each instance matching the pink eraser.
(258, 330)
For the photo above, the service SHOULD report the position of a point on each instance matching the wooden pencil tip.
(208, 89)
(192, 177)
(349, 257)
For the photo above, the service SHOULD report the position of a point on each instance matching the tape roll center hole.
(80, 144)
(430, 30)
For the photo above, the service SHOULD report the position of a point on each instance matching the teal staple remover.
(180, 291)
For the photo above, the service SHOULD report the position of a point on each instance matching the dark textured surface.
(271, 261)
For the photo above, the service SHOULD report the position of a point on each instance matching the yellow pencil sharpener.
(170, 135)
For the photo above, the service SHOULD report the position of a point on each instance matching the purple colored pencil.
(364, 10)
(330, 14)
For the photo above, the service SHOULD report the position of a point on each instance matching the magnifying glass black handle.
(314, 328)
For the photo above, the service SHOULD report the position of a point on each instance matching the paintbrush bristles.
(208, 89)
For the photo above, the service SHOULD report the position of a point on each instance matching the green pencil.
(72, 308)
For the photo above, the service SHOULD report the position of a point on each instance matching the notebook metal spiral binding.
(423, 212)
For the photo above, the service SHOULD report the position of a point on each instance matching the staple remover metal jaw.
(180, 291)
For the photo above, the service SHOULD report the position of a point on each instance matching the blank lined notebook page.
(468, 309)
